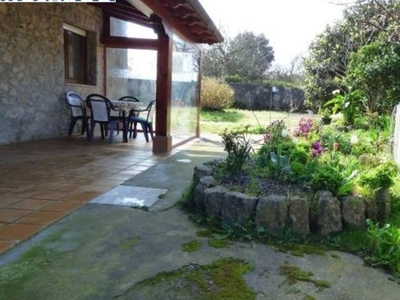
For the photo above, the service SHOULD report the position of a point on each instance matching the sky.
(290, 25)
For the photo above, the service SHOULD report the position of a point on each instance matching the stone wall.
(324, 214)
(262, 97)
(32, 84)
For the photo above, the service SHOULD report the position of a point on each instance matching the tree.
(375, 69)
(251, 56)
(292, 73)
(330, 52)
(247, 56)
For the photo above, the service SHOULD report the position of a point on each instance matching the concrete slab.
(134, 196)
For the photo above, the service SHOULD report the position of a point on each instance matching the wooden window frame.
(69, 33)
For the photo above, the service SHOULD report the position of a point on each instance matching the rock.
(200, 171)
(299, 215)
(271, 213)
(382, 197)
(371, 209)
(205, 182)
(238, 208)
(353, 212)
(213, 199)
(329, 218)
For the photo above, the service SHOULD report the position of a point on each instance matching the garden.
(350, 157)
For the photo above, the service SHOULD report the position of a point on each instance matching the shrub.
(215, 95)
(380, 177)
(327, 178)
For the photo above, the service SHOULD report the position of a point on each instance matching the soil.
(266, 186)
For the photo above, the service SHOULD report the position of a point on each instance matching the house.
(146, 48)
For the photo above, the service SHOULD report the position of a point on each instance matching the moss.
(217, 243)
(25, 268)
(222, 279)
(128, 243)
(335, 256)
(191, 246)
(322, 284)
(294, 274)
(301, 249)
(308, 297)
(205, 233)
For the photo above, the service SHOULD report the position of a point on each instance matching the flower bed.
(324, 214)
(320, 179)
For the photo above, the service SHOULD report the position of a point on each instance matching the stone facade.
(262, 97)
(32, 83)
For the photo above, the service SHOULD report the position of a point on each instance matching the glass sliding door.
(185, 91)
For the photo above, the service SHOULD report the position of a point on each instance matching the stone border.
(276, 213)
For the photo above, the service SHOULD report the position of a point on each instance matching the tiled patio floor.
(42, 181)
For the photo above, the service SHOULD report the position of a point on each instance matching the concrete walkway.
(103, 251)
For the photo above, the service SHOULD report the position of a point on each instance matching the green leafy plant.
(384, 246)
(350, 104)
(238, 146)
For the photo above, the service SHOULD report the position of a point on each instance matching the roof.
(187, 17)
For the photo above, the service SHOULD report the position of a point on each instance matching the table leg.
(124, 128)
(86, 124)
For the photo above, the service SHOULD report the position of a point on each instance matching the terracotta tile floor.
(43, 181)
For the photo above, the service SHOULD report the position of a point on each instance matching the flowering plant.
(305, 127)
(276, 132)
(316, 149)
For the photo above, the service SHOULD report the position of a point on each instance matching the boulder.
(299, 215)
(329, 217)
(205, 182)
(213, 199)
(382, 197)
(271, 213)
(371, 209)
(200, 171)
(238, 208)
(353, 212)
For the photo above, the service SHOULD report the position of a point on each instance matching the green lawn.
(236, 119)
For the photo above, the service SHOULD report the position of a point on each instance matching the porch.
(43, 181)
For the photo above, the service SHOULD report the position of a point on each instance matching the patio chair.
(145, 121)
(78, 112)
(101, 108)
(131, 112)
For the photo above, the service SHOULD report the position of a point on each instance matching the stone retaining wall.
(276, 213)
(262, 97)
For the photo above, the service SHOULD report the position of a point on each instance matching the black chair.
(131, 112)
(78, 112)
(146, 121)
(101, 108)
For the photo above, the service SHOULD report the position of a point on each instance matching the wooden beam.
(162, 140)
(190, 20)
(129, 43)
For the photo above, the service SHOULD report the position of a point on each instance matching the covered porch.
(148, 49)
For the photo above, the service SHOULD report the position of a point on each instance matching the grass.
(236, 119)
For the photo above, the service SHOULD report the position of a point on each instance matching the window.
(75, 48)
